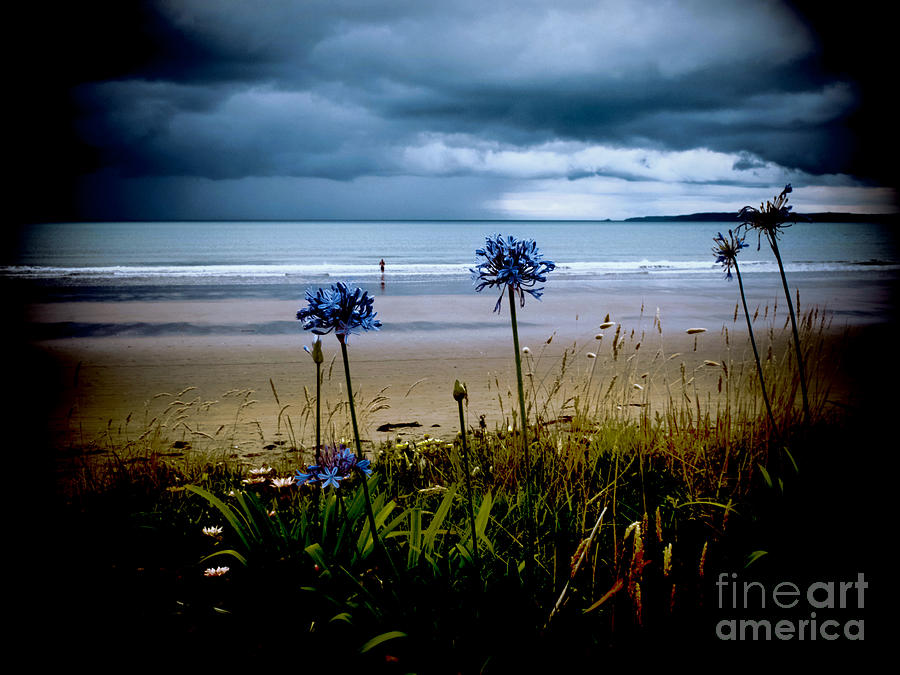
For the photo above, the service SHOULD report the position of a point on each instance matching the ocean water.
(274, 259)
(853, 270)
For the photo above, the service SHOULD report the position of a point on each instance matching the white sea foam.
(405, 271)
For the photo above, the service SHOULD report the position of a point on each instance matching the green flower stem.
(465, 458)
(762, 381)
(523, 421)
(359, 453)
(318, 414)
(787, 294)
(343, 506)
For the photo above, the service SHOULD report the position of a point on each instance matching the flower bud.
(317, 350)
(459, 391)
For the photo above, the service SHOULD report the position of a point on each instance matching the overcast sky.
(584, 109)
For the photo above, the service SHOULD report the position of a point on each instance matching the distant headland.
(731, 216)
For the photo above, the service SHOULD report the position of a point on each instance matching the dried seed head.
(638, 607)
(578, 553)
(694, 331)
(636, 525)
(667, 560)
(702, 565)
(637, 557)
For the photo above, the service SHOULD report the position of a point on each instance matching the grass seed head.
(701, 567)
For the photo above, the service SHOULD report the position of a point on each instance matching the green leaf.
(434, 527)
(753, 557)
(464, 553)
(250, 508)
(346, 617)
(317, 553)
(793, 463)
(765, 474)
(382, 515)
(388, 530)
(414, 537)
(379, 639)
(481, 519)
(227, 552)
(708, 502)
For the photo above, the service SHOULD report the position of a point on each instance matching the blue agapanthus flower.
(726, 251)
(770, 218)
(337, 464)
(331, 477)
(341, 309)
(509, 263)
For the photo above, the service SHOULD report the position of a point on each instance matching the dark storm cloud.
(167, 129)
(344, 89)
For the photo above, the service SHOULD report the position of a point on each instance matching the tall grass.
(649, 467)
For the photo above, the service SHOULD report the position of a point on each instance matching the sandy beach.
(252, 385)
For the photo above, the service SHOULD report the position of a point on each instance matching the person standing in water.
(382, 265)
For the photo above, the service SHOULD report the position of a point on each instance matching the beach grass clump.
(669, 501)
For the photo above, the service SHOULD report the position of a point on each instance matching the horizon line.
(854, 214)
